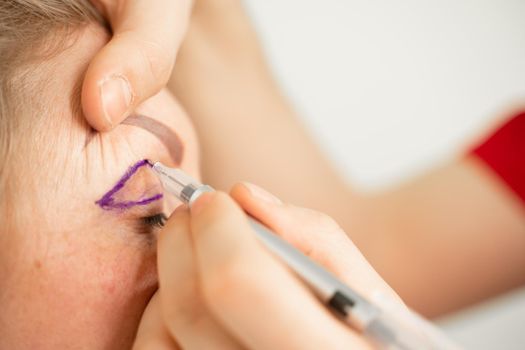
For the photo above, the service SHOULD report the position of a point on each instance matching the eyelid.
(166, 136)
(142, 211)
(151, 224)
(157, 220)
(134, 188)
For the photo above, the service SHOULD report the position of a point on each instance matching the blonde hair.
(31, 31)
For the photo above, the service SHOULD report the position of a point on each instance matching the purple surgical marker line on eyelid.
(107, 201)
(129, 204)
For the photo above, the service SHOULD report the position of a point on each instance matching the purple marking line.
(107, 202)
(129, 204)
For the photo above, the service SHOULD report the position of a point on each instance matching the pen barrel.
(399, 328)
(191, 193)
(389, 327)
(349, 305)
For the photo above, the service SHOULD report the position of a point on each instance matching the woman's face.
(82, 271)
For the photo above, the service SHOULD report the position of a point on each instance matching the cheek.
(92, 296)
(111, 287)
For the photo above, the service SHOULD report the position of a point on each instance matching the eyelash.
(155, 221)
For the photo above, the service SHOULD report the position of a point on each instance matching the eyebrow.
(108, 202)
(169, 138)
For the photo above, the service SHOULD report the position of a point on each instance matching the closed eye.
(155, 221)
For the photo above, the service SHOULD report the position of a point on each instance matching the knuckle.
(152, 60)
(156, 58)
(317, 219)
(326, 221)
(328, 227)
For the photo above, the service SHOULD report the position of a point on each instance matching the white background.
(390, 88)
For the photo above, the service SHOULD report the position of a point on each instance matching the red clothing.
(504, 152)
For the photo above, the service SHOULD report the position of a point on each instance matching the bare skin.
(74, 275)
(445, 240)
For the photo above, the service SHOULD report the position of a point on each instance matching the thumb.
(138, 60)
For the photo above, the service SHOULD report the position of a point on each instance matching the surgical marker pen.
(388, 329)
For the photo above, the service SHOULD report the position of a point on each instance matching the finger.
(184, 311)
(315, 234)
(254, 295)
(137, 61)
(152, 334)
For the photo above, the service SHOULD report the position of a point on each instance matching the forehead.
(63, 165)
(85, 248)
(70, 173)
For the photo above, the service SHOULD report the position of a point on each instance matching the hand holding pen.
(220, 287)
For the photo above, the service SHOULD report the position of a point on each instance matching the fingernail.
(201, 202)
(116, 96)
(261, 194)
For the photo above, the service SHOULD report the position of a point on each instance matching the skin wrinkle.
(107, 202)
(170, 139)
(105, 259)
(172, 143)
